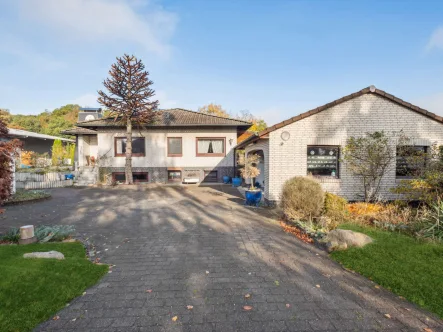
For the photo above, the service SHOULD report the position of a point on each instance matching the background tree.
(5, 115)
(57, 153)
(8, 151)
(128, 100)
(369, 158)
(214, 109)
(244, 115)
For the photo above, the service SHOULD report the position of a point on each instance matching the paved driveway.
(199, 246)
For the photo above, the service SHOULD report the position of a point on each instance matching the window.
(136, 177)
(210, 147)
(410, 160)
(323, 161)
(175, 176)
(175, 147)
(211, 176)
(138, 146)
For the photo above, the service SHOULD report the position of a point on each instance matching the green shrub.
(430, 226)
(302, 198)
(335, 210)
(12, 235)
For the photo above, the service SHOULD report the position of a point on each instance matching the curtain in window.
(175, 145)
(217, 146)
(203, 145)
(121, 145)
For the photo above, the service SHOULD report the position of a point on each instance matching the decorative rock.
(46, 254)
(341, 239)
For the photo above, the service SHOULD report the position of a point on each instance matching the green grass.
(27, 195)
(33, 290)
(408, 267)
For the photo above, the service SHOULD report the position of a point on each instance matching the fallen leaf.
(174, 318)
(427, 329)
(388, 316)
(73, 320)
(247, 307)
(288, 305)
(377, 286)
(84, 293)
(2, 211)
(318, 286)
(190, 307)
(56, 318)
(277, 283)
(407, 309)
(207, 272)
(149, 291)
(247, 296)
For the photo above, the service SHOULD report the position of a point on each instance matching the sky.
(275, 59)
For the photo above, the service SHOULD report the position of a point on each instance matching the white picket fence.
(42, 181)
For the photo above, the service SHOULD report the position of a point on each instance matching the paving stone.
(165, 238)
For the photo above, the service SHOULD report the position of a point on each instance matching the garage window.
(120, 177)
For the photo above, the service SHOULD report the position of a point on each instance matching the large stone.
(45, 254)
(341, 239)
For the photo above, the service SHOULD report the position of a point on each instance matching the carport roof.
(24, 133)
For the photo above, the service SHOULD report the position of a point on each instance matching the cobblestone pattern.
(199, 246)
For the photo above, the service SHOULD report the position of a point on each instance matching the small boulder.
(46, 254)
(341, 239)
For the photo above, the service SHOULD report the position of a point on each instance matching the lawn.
(33, 290)
(408, 267)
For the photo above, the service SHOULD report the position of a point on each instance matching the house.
(179, 146)
(35, 142)
(311, 143)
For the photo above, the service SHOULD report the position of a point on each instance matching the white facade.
(333, 126)
(156, 161)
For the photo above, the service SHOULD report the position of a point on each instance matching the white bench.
(190, 180)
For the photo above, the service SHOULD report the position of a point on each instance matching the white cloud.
(436, 40)
(87, 100)
(105, 20)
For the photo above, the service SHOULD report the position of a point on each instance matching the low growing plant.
(430, 226)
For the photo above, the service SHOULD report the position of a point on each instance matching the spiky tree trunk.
(128, 162)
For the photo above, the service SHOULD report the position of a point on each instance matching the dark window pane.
(410, 160)
(119, 177)
(210, 176)
(323, 160)
(174, 145)
(138, 145)
(140, 177)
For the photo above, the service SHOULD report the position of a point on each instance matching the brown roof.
(79, 130)
(174, 117)
(371, 89)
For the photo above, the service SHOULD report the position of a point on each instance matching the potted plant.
(250, 171)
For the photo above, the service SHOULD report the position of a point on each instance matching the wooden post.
(27, 235)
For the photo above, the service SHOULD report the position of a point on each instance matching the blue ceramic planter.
(253, 197)
(236, 182)
(69, 176)
(226, 179)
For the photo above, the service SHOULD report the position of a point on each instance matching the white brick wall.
(367, 113)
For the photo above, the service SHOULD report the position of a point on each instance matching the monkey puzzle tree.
(128, 101)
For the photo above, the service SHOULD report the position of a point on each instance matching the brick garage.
(286, 144)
